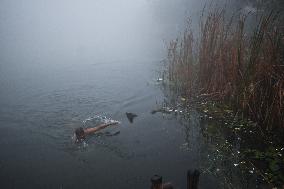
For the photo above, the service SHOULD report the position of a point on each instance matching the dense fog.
(40, 37)
(37, 31)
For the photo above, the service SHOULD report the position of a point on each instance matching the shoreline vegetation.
(236, 65)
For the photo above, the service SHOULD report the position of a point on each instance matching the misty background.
(40, 40)
(63, 61)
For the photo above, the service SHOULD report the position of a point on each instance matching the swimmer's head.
(80, 134)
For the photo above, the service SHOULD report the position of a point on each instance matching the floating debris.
(130, 116)
(185, 147)
(84, 144)
(164, 110)
(185, 144)
(159, 79)
(236, 164)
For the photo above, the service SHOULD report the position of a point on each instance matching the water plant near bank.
(234, 69)
(227, 62)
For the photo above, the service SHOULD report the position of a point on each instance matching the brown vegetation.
(233, 64)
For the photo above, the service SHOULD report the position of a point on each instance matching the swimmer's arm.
(99, 127)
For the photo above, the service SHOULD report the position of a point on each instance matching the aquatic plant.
(235, 71)
(181, 70)
(230, 63)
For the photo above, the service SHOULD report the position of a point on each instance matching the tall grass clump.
(233, 62)
(181, 70)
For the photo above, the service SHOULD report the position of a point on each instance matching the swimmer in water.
(80, 133)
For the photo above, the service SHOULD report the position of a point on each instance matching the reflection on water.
(219, 150)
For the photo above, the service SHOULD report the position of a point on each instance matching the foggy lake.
(62, 62)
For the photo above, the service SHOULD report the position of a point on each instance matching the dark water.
(51, 83)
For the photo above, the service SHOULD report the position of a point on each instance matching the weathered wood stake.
(156, 181)
(168, 185)
(192, 179)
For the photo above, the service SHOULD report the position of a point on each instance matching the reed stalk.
(242, 68)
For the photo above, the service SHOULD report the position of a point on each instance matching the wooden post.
(196, 174)
(192, 179)
(168, 185)
(189, 180)
(156, 181)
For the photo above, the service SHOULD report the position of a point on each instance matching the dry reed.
(233, 65)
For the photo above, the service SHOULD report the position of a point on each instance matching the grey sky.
(48, 31)
(42, 28)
